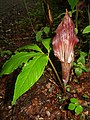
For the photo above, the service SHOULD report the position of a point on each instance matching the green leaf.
(78, 109)
(39, 36)
(86, 29)
(76, 81)
(16, 60)
(81, 60)
(74, 100)
(31, 72)
(68, 89)
(46, 30)
(73, 64)
(76, 31)
(83, 68)
(83, 54)
(85, 96)
(71, 106)
(46, 43)
(78, 71)
(31, 47)
(73, 3)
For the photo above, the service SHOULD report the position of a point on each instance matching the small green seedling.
(85, 96)
(79, 65)
(60, 99)
(76, 81)
(75, 106)
(67, 88)
(39, 34)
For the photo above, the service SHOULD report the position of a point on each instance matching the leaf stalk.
(56, 74)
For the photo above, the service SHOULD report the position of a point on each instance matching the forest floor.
(45, 100)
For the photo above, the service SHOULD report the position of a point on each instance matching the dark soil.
(41, 101)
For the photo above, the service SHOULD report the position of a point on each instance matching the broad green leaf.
(31, 47)
(71, 106)
(46, 30)
(78, 109)
(74, 100)
(39, 36)
(46, 43)
(16, 60)
(31, 72)
(78, 71)
(72, 3)
(86, 29)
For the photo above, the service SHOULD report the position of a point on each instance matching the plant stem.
(76, 17)
(56, 73)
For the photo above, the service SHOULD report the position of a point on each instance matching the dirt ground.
(41, 101)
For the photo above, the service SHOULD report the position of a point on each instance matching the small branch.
(56, 73)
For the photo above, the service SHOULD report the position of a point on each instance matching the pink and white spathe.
(63, 45)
